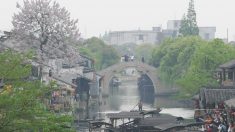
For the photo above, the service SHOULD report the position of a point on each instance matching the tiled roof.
(125, 114)
(162, 121)
(230, 64)
(218, 95)
(66, 78)
(230, 103)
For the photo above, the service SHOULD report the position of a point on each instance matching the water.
(179, 112)
(127, 97)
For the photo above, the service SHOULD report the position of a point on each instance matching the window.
(141, 37)
(35, 71)
(207, 36)
(175, 25)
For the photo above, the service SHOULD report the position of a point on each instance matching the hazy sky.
(97, 16)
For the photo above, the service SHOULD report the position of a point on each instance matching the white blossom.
(46, 28)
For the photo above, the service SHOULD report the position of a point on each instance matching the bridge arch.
(109, 72)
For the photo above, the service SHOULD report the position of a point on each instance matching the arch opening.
(127, 87)
(146, 89)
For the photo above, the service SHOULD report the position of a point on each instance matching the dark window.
(35, 71)
(230, 75)
(141, 37)
(207, 36)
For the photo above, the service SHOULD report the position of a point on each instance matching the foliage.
(45, 26)
(103, 54)
(173, 57)
(21, 107)
(190, 62)
(12, 66)
(126, 49)
(139, 51)
(143, 50)
(109, 56)
(189, 23)
(206, 59)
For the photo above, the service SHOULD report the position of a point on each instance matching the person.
(122, 58)
(142, 59)
(126, 57)
(132, 58)
(50, 73)
(209, 128)
(222, 128)
(140, 105)
(231, 127)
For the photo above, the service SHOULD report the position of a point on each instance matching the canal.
(126, 96)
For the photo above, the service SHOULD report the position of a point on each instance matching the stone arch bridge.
(150, 71)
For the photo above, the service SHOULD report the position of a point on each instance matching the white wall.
(173, 24)
(123, 37)
(207, 33)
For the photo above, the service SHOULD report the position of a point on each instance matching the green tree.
(206, 58)
(109, 56)
(174, 56)
(21, 99)
(144, 50)
(126, 49)
(190, 62)
(103, 54)
(189, 23)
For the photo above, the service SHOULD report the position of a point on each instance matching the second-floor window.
(141, 37)
(207, 36)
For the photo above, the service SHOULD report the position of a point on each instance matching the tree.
(142, 51)
(174, 56)
(190, 62)
(46, 26)
(206, 58)
(126, 49)
(103, 54)
(21, 100)
(189, 23)
(109, 57)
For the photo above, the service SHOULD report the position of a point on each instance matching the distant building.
(172, 30)
(154, 36)
(173, 24)
(135, 36)
(207, 33)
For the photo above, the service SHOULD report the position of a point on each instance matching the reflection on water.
(146, 89)
(127, 96)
